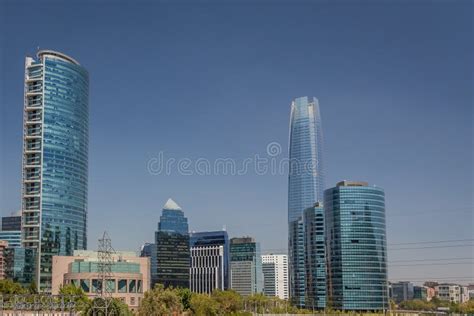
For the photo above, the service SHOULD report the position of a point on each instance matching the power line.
(430, 242)
(431, 247)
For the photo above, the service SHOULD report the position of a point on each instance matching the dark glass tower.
(315, 257)
(305, 185)
(172, 247)
(55, 159)
(356, 247)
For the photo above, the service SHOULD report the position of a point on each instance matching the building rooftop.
(47, 52)
(346, 183)
(171, 205)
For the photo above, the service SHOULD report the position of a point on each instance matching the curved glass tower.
(55, 159)
(305, 184)
(356, 247)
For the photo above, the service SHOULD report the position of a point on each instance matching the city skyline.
(411, 177)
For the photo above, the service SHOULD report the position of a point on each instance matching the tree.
(229, 301)
(115, 307)
(10, 287)
(160, 301)
(257, 303)
(203, 305)
(185, 296)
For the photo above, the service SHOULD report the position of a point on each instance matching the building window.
(132, 286)
(85, 285)
(122, 286)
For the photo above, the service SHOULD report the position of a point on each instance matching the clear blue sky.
(203, 79)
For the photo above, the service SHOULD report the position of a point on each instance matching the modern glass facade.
(20, 265)
(213, 238)
(149, 250)
(13, 237)
(356, 247)
(246, 274)
(55, 159)
(10, 223)
(315, 260)
(172, 247)
(305, 184)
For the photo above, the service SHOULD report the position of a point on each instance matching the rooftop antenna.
(224, 228)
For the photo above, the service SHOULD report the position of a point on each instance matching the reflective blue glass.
(356, 247)
(305, 184)
(55, 162)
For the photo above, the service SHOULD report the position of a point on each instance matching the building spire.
(171, 205)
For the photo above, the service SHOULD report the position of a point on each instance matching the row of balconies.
(34, 116)
(34, 100)
(35, 72)
(33, 159)
(32, 188)
(34, 86)
(31, 203)
(33, 130)
(33, 144)
(32, 174)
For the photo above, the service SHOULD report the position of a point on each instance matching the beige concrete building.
(3, 246)
(129, 279)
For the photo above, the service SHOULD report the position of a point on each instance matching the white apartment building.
(275, 275)
(454, 293)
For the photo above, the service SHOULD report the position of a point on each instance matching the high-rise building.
(356, 247)
(246, 275)
(55, 159)
(315, 259)
(275, 275)
(149, 250)
(209, 261)
(172, 247)
(11, 230)
(305, 184)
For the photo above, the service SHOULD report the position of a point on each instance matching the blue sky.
(209, 80)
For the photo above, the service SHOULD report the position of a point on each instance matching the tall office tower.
(55, 159)
(275, 275)
(305, 184)
(356, 247)
(149, 250)
(11, 230)
(172, 247)
(246, 275)
(315, 257)
(209, 261)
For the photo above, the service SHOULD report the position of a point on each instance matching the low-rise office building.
(129, 279)
(453, 293)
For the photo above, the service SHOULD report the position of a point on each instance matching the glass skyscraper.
(315, 259)
(305, 184)
(356, 247)
(55, 159)
(172, 247)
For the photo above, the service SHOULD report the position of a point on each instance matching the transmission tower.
(104, 273)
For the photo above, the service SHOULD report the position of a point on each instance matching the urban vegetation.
(177, 301)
